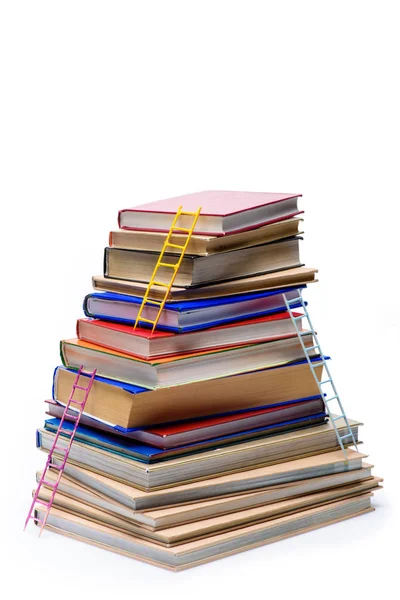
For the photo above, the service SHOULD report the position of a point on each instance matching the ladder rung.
(298, 318)
(189, 214)
(315, 365)
(79, 387)
(66, 432)
(293, 300)
(72, 401)
(337, 418)
(145, 320)
(49, 483)
(331, 398)
(162, 264)
(42, 502)
(344, 437)
(36, 519)
(181, 229)
(58, 467)
(153, 302)
(71, 415)
(159, 283)
(55, 448)
(311, 347)
(326, 381)
(174, 246)
(308, 332)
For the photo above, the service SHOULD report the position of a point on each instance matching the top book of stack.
(222, 212)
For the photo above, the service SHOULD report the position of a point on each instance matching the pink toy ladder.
(58, 449)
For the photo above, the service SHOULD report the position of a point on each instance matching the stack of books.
(208, 436)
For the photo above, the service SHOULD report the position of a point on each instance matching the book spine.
(38, 439)
(55, 379)
(105, 262)
(77, 329)
(85, 305)
(62, 354)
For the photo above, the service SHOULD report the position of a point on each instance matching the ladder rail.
(57, 449)
(162, 264)
(320, 361)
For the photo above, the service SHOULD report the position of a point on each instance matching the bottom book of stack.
(178, 526)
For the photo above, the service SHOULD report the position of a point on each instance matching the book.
(202, 245)
(191, 431)
(144, 343)
(150, 453)
(280, 279)
(222, 212)
(127, 406)
(222, 486)
(181, 369)
(198, 465)
(190, 315)
(193, 553)
(195, 271)
(159, 518)
(188, 532)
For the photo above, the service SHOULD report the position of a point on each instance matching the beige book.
(160, 518)
(223, 484)
(202, 245)
(184, 532)
(280, 279)
(196, 552)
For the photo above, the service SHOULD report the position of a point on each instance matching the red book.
(245, 424)
(141, 342)
(222, 212)
(190, 432)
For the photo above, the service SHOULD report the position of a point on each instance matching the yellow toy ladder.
(161, 264)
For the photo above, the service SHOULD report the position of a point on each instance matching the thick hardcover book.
(191, 431)
(189, 315)
(128, 406)
(195, 271)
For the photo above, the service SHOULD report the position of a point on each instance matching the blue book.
(189, 315)
(150, 454)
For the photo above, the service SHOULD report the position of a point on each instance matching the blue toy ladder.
(326, 386)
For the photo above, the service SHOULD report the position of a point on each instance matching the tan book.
(202, 245)
(118, 406)
(200, 466)
(190, 554)
(281, 279)
(194, 271)
(340, 484)
(186, 532)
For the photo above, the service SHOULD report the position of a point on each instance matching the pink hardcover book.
(222, 212)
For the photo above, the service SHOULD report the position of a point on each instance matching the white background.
(108, 104)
